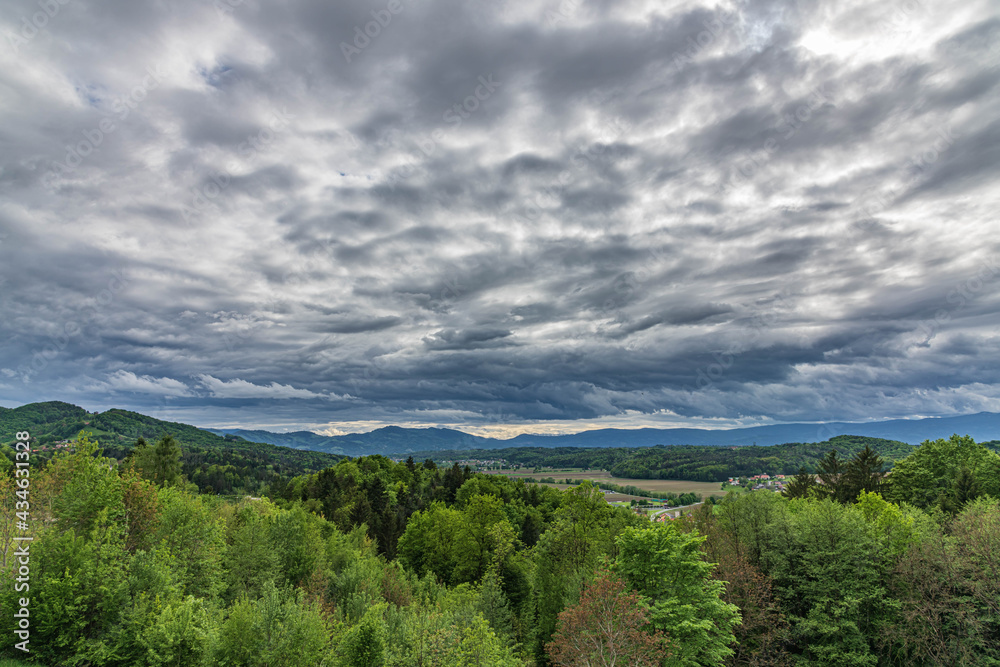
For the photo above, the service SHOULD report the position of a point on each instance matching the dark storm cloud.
(485, 213)
(360, 326)
(450, 339)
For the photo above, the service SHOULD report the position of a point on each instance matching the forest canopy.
(689, 462)
(376, 562)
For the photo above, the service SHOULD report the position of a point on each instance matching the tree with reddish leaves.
(607, 628)
(764, 629)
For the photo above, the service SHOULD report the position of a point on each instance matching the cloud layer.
(501, 215)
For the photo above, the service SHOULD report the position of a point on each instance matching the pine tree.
(494, 606)
(160, 464)
(137, 449)
(963, 489)
(167, 455)
(831, 472)
(801, 485)
(864, 473)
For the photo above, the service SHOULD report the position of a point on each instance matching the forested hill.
(54, 421)
(217, 464)
(385, 440)
(706, 464)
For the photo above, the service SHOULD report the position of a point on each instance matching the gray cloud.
(531, 213)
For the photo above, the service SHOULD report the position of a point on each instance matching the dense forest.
(226, 465)
(690, 462)
(372, 562)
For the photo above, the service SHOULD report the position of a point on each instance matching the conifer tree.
(160, 464)
(864, 473)
(831, 471)
(963, 489)
(801, 485)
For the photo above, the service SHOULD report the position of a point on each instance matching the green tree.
(481, 647)
(747, 520)
(251, 558)
(483, 531)
(296, 536)
(949, 594)
(183, 635)
(926, 477)
(666, 566)
(195, 538)
(139, 447)
(570, 551)
(894, 530)
(277, 630)
(141, 510)
(167, 461)
(801, 486)
(825, 566)
(831, 471)
(364, 645)
(78, 590)
(85, 485)
(964, 489)
(863, 474)
(430, 542)
(494, 605)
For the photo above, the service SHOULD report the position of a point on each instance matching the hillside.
(220, 464)
(47, 422)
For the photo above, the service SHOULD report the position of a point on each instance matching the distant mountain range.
(397, 440)
(386, 440)
(55, 420)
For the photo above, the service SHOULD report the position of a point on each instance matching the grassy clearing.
(8, 662)
(677, 486)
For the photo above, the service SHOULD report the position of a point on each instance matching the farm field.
(610, 497)
(677, 486)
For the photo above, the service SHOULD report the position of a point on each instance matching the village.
(759, 482)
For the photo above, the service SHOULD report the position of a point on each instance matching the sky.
(500, 217)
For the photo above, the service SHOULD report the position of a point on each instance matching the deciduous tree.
(666, 566)
(926, 477)
(608, 627)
